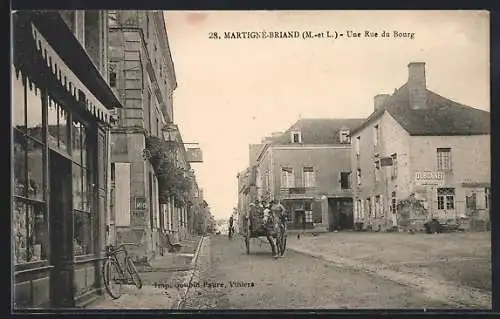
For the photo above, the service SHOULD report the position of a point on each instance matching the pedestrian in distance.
(231, 229)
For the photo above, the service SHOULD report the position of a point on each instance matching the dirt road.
(227, 278)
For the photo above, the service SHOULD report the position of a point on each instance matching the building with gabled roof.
(420, 144)
(307, 168)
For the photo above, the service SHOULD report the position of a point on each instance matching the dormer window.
(296, 137)
(345, 137)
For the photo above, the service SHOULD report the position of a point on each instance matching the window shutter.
(122, 194)
(154, 205)
(165, 216)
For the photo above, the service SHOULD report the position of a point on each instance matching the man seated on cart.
(261, 223)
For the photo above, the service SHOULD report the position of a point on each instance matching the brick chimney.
(417, 87)
(379, 100)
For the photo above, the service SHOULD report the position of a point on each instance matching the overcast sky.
(234, 92)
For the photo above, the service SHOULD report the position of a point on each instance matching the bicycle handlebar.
(113, 249)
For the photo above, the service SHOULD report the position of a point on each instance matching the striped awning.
(69, 80)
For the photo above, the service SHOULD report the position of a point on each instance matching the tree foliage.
(173, 181)
(410, 208)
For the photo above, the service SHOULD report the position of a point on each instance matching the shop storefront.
(60, 131)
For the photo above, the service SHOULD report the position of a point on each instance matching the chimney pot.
(417, 85)
(380, 100)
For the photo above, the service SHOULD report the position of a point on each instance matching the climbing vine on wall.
(410, 208)
(173, 181)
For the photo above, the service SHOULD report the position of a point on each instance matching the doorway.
(300, 219)
(340, 212)
(61, 230)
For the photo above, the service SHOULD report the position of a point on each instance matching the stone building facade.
(419, 144)
(308, 169)
(142, 72)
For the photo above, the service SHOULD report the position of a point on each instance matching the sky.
(233, 92)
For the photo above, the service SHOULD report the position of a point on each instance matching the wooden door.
(61, 230)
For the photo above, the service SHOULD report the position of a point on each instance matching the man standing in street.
(231, 229)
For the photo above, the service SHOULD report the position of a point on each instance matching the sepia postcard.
(201, 160)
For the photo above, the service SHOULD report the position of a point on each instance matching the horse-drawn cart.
(273, 227)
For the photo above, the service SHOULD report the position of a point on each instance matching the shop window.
(63, 129)
(82, 172)
(34, 110)
(83, 241)
(29, 231)
(19, 163)
(76, 142)
(18, 90)
(57, 121)
(52, 137)
(35, 169)
(29, 227)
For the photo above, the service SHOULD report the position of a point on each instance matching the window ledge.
(32, 266)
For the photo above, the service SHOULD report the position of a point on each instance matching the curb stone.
(187, 278)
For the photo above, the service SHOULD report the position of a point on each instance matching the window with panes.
(70, 136)
(29, 216)
(446, 198)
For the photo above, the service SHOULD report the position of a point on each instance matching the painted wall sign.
(429, 178)
(140, 203)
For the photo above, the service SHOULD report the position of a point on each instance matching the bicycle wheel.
(112, 278)
(134, 273)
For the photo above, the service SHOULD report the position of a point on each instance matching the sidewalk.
(434, 264)
(162, 282)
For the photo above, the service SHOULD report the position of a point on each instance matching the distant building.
(308, 169)
(434, 148)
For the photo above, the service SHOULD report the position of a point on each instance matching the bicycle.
(114, 273)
